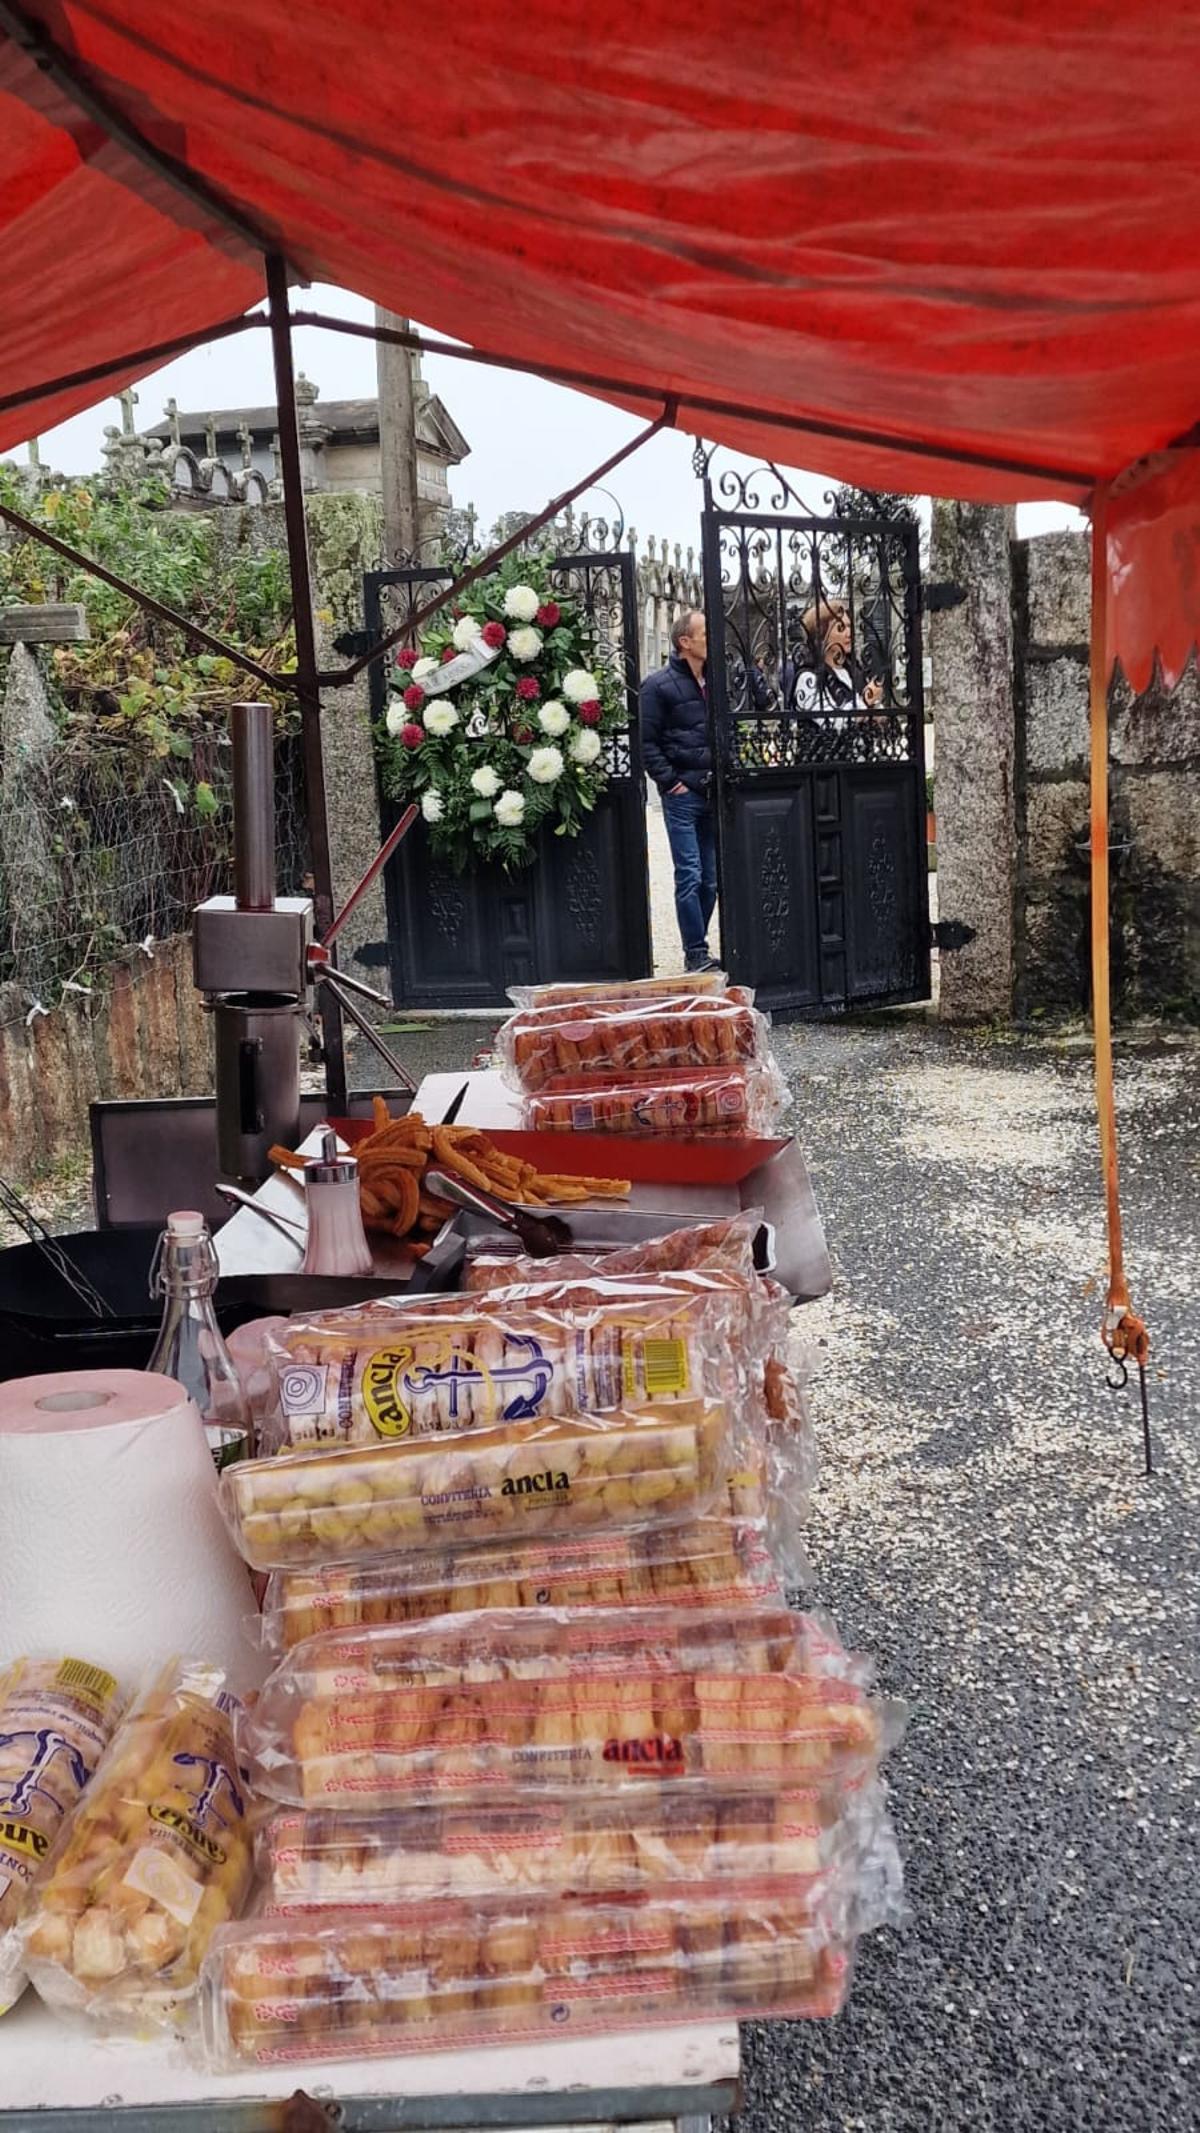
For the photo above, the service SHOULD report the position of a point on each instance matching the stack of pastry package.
(675, 1058)
(544, 1748)
(125, 1839)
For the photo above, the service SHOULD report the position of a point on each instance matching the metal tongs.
(543, 1236)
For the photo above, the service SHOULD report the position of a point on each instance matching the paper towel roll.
(110, 1537)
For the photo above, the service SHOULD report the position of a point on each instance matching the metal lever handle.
(334, 981)
(320, 966)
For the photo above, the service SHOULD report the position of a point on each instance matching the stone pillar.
(971, 649)
(27, 817)
(345, 536)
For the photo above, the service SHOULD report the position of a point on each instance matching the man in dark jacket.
(677, 756)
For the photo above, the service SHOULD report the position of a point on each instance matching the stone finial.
(34, 452)
(472, 520)
(210, 438)
(246, 440)
(276, 489)
(678, 556)
(171, 411)
(306, 392)
(127, 400)
(651, 547)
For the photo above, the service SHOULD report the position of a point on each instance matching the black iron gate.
(817, 714)
(581, 911)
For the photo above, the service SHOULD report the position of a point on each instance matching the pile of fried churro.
(393, 1160)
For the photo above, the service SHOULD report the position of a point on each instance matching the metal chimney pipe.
(253, 807)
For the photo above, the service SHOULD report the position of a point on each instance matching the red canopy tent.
(946, 248)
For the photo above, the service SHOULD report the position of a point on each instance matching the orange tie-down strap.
(1123, 1332)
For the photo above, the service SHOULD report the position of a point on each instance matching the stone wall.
(147, 1035)
(1010, 704)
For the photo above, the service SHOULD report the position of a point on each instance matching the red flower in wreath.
(448, 653)
(406, 659)
(528, 689)
(414, 697)
(549, 615)
(493, 634)
(412, 736)
(522, 735)
(590, 713)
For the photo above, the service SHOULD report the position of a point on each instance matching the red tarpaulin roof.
(972, 225)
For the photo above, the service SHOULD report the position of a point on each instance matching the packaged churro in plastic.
(726, 1243)
(623, 1039)
(594, 1845)
(56, 1719)
(546, 1700)
(520, 1481)
(674, 1103)
(378, 1373)
(702, 984)
(723, 1560)
(438, 1975)
(157, 1855)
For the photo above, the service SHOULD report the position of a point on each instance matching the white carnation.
(580, 687)
(554, 718)
(397, 717)
(424, 667)
(545, 765)
(433, 807)
(586, 746)
(485, 781)
(521, 602)
(524, 644)
(440, 716)
(509, 810)
(465, 633)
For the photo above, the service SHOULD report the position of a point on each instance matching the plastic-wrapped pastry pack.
(736, 1556)
(157, 1855)
(518, 1481)
(623, 1039)
(838, 1845)
(380, 1372)
(446, 1974)
(550, 1700)
(675, 1103)
(56, 1720)
(702, 984)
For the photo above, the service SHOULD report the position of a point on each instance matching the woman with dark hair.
(832, 682)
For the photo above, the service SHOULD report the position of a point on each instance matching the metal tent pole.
(308, 691)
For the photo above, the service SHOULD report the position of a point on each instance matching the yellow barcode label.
(660, 1365)
(85, 1680)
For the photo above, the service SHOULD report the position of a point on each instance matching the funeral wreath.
(495, 725)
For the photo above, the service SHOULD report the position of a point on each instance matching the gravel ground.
(984, 1529)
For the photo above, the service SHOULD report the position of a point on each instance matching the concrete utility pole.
(397, 441)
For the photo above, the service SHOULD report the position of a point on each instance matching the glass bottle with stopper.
(191, 1347)
(337, 1241)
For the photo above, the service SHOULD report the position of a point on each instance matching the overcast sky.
(529, 440)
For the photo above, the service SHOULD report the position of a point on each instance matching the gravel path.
(984, 1529)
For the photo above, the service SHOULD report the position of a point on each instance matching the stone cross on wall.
(128, 401)
(171, 411)
(246, 440)
(210, 439)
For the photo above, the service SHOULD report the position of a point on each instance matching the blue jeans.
(692, 835)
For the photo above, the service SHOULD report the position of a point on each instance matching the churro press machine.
(258, 966)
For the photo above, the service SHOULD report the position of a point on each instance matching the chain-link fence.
(102, 850)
